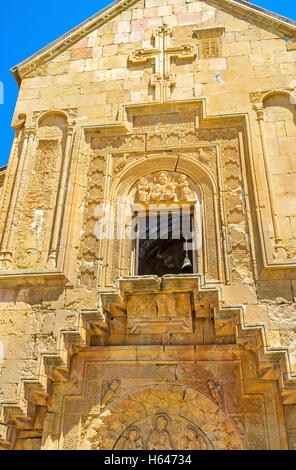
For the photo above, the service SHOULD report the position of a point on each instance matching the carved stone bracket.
(19, 122)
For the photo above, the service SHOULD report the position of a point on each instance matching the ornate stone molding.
(209, 41)
(206, 33)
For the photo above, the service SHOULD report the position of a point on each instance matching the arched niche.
(41, 187)
(118, 254)
(280, 132)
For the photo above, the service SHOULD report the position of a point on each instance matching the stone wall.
(98, 115)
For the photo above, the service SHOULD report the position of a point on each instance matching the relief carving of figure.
(133, 441)
(159, 438)
(122, 162)
(215, 390)
(143, 190)
(164, 190)
(185, 193)
(192, 440)
(108, 391)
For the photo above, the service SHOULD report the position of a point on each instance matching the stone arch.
(280, 131)
(119, 259)
(182, 407)
(54, 115)
(272, 93)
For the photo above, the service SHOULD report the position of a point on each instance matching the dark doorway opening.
(163, 239)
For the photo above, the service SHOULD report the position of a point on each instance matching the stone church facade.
(148, 110)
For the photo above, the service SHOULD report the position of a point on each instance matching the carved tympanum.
(163, 432)
(164, 187)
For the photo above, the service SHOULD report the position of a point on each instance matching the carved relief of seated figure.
(133, 441)
(159, 438)
(192, 440)
(185, 193)
(164, 190)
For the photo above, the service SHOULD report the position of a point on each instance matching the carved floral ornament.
(164, 187)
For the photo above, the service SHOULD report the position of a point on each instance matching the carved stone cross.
(163, 79)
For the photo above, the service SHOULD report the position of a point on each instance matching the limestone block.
(189, 19)
(83, 53)
(237, 49)
(77, 66)
(285, 57)
(122, 27)
(164, 10)
(137, 36)
(208, 16)
(121, 38)
(170, 20)
(194, 7)
(137, 13)
(275, 290)
(217, 64)
(288, 69)
(257, 315)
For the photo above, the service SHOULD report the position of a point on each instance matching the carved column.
(8, 241)
(280, 251)
(61, 196)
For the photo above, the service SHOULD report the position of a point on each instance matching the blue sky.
(29, 26)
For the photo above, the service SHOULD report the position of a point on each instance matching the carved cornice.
(205, 33)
